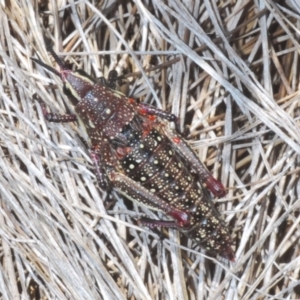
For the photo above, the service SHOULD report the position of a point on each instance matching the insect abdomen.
(155, 165)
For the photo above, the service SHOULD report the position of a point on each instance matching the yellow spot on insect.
(142, 146)
(214, 220)
(167, 175)
(155, 162)
(131, 166)
(143, 178)
(159, 138)
(108, 111)
(91, 124)
(95, 99)
(153, 190)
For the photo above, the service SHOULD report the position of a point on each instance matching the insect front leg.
(111, 81)
(146, 109)
(53, 117)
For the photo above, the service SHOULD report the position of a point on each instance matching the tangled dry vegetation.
(229, 70)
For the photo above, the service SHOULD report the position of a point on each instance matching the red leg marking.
(215, 186)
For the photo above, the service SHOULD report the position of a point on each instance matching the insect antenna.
(49, 68)
(56, 58)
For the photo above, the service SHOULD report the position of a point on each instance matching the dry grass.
(239, 94)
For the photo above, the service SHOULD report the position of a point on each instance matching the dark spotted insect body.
(135, 152)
